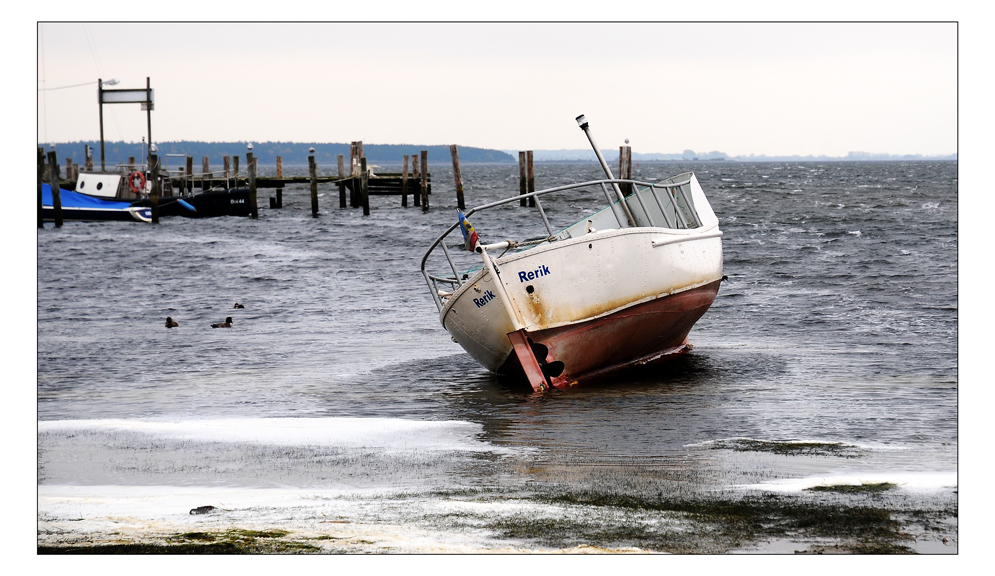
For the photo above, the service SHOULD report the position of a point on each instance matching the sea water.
(337, 399)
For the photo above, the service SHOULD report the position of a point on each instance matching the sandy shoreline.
(291, 521)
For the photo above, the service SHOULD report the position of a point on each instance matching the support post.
(416, 172)
(88, 163)
(189, 174)
(424, 180)
(341, 183)
(313, 170)
(227, 163)
(365, 186)
(250, 161)
(458, 177)
(41, 180)
(404, 183)
(530, 364)
(532, 178)
(53, 181)
(522, 179)
(148, 106)
(353, 174)
(69, 168)
(154, 176)
(625, 168)
(279, 175)
(100, 99)
(205, 167)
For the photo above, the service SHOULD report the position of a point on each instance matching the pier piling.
(416, 174)
(365, 179)
(625, 168)
(154, 196)
(404, 183)
(313, 171)
(279, 175)
(250, 164)
(353, 174)
(458, 177)
(189, 175)
(41, 179)
(341, 184)
(522, 179)
(532, 178)
(424, 180)
(53, 179)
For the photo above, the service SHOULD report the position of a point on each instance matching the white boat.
(620, 288)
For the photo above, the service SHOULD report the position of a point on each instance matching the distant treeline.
(585, 155)
(325, 153)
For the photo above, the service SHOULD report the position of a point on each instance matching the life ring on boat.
(136, 181)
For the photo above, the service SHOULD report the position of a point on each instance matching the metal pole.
(516, 322)
(100, 98)
(604, 165)
(445, 251)
(148, 106)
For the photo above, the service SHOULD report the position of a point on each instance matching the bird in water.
(225, 324)
(170, 323)
(237, 305)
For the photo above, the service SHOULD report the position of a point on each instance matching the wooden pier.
(358, 179)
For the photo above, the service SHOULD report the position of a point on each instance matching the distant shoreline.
(326, 154)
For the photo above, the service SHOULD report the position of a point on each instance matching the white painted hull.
(578, 280)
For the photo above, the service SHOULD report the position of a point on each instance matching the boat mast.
(582, 122)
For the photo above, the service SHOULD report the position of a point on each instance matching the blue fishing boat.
(135, 189)
(81, 207)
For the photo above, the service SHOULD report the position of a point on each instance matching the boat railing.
(662, 204)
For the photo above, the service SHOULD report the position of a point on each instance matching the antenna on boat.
(582, 122)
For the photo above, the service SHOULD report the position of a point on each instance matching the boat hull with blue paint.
(83, 208)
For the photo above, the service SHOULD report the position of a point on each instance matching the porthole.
(82, 184)
(100, 185)
(590, 246)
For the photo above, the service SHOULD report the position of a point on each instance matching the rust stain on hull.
(641, 334)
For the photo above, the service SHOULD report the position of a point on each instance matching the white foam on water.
(911, 481)
(352, 433)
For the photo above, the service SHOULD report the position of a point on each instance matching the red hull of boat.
(642, 334)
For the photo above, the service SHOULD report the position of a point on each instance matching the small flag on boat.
(470, 238)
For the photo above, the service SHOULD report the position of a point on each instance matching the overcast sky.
(738, 88)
